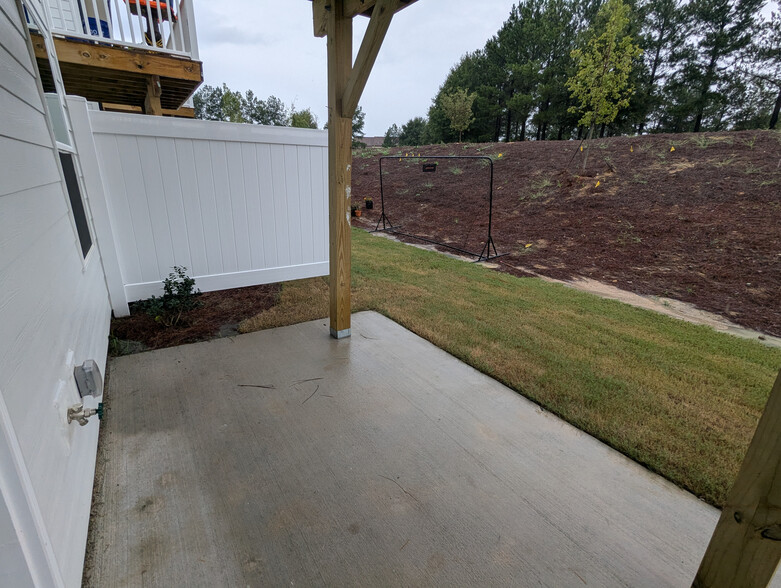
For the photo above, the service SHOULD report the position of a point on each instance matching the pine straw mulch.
(217, 315)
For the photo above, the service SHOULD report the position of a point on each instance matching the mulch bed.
(691, 217)
(217, 315)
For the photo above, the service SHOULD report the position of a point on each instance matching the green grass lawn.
(682, 399)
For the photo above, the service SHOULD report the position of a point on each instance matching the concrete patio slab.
(287, 457)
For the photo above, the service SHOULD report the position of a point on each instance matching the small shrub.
(179, 296)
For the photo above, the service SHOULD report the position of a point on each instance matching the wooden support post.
(153, 92)
(746, 546)
(345, 86)
(340, 53)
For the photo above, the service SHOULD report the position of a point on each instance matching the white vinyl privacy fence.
(235, 204)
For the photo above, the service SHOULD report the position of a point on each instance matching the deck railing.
(165, 26)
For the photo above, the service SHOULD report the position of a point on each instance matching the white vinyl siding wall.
(54, 314)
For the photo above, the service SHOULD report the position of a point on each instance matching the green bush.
(179, 296)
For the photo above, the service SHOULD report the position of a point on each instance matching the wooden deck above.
(120, 76)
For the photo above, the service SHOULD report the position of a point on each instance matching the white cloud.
(269, 47)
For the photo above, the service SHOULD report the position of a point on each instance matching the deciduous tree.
(600, 85)
(303, 119)
(458, 109)
(223, 104)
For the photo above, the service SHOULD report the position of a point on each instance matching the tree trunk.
(509, 126)
(561, 132)
(705, 87)
(698, 120)
(652, 81)
(523, 130)
(602, 131)
(776, 110)
(580, 132)
(588, 143)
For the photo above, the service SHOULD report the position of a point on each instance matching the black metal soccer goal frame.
(388, 227)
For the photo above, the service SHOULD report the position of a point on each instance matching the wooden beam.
(402, 4)
(153, 92)
(367, 54)
(355, 7)
(340, 52)
(320, 17)
(121, 59)
(352, 8)
(746, 546)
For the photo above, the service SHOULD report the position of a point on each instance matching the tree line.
(701, 65)
(220, 103)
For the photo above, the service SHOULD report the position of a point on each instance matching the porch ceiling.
(285, 456)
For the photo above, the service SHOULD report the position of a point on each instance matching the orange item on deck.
(143, 6)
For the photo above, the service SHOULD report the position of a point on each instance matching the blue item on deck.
(93, 28)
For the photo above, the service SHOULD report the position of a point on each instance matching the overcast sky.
(268, 46)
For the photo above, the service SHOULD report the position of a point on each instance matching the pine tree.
(723, 29)
(661, 31)
(765, 62)
(359, 119)
(392, 136)
(412, 132)
(476, 74)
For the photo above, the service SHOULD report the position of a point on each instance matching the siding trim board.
(54, 314)
(16, 489)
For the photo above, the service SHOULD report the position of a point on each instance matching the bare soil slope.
(691, 217)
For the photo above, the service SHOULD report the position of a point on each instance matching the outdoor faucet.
(78, 413)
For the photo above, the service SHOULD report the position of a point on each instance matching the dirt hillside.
(691, 217)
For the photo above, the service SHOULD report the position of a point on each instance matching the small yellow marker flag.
(672, 149)
(581, 147)
(528, 245)
(631, 148)
(597, 184)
